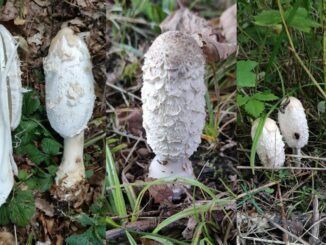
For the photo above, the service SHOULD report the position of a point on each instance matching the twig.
(128, 135)
(290, 155)
(289, 233)
(283, 218)
(282, 168)
(316, 225)
(265, 241)
(141, 225)
(16, 239)
(123, 91)
(257, 189)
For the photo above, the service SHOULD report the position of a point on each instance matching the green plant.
(95, 233)
(18, 209)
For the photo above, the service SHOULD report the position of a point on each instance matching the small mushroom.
(10, 109)
(70, 97)
(173, 96)
(294, 126)
(270, 147)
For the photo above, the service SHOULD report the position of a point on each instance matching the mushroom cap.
(69, 84)
(270, 147)
(13, 75)
(173, 95)
(293, 123)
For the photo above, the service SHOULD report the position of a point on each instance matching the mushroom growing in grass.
(270, 147)
(10, 109)
(173, 96)
(70, 97)
(294, 126)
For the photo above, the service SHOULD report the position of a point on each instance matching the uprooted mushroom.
(10, 109)
(69, 103)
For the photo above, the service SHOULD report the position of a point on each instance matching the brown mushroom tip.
(176, 49)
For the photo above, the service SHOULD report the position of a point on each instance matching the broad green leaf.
(31, 103)
(302, 21)
(84, 219)
(34, 153)
(94, 236)
(40, 181)
(52, 169)
(28, 126)
(89, 173)
(245, 76)
(22, 207)
(22, 175)
(265, 96)
(268, 18)
(4, 214)
(50, 146)
(241, 100)
(254, 107)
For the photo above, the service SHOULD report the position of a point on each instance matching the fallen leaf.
(207, 37)
(189, 231)
(131, 119)
(6, 238)
(161, 194)
(44, 206)
(228, 22)
(9, 11)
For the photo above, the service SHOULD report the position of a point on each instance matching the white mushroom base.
(71, 173)
(172, 168)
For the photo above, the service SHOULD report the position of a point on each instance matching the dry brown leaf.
(189, 231)
(131, 119)
(9, 11)
(161, 194)
(6, 238)
(228, 22)
(207, 37)
(44, 206)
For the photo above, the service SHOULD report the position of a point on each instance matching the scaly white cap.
(173, 95)
(270, 147)
(69, 84)
(293, 123)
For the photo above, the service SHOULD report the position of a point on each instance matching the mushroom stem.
(72, 170)
(171, 168)
(174, 167)
(297, 158)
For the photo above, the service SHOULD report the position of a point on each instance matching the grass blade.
(116, 196)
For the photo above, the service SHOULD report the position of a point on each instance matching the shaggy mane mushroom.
(173, 104)
(10, 109)
(70, 97)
